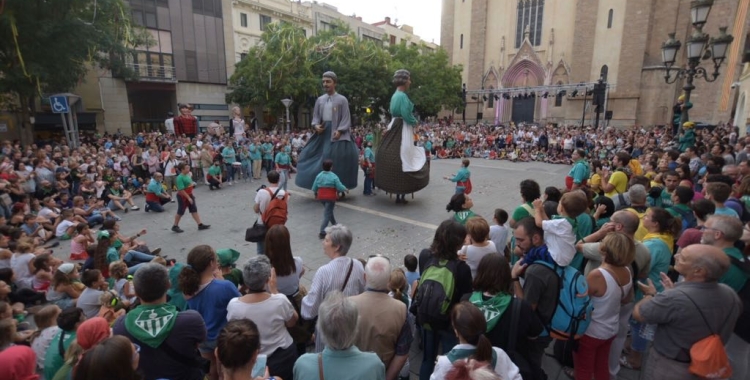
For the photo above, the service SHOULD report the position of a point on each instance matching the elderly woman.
(341, 359)
(402, 166)
(271, 311)
(342, 273)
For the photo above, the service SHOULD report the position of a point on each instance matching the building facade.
(529, 43)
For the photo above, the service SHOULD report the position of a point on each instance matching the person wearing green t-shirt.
(722, 231)
(186, 199)
(461, 204)
(214, 176)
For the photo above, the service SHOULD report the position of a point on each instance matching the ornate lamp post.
(699, 47)
(287, 103)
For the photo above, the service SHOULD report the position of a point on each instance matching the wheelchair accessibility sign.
(59, 104)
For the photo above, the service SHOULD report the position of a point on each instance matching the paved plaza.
(379, 225)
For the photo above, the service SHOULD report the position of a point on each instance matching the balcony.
(153, 73)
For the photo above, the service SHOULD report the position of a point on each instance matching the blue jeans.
(368, 185)
(430, 341)
(230, 172)
(284, 174)
(260, 247)
(157, 206)
(94, 219)
(328, 216)
(135, 259)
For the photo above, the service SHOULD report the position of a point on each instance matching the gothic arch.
(560, 74)
(524, 73)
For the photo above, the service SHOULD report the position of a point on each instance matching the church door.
(523, 110)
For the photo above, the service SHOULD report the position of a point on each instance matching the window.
(491, 100)
(609, 18)
(461, 43)
(393, 40)
(529, 17)
(243, 20)
(138, 18)
(242, 56)
(264, 21)
(198, 6)
(191, 65)
(151, 19)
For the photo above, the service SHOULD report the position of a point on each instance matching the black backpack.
(437, 285)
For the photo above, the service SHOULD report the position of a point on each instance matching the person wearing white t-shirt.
(560, 232)
(499, 232)
(169, 123)
(478, 230)
(263, 198)
(170, 173)
(67, 226)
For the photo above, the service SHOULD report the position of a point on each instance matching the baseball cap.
(227, 256)
(66, 268)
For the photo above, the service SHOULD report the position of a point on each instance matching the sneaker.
(117, 218)
(126, 210)
(230, 183)
(145, 208)
(322, 235)
(177, 229)
(156, 252)
(172, 201)
(202, 227)
(135, 208)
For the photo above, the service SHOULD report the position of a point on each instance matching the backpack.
(572, 314)
(688, 218)
(276, 212)
(708, 357)
(431, 304)
(742, 327)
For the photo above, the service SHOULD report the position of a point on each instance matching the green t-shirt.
(183, 181)
(235, 277)
(522, 211)
(463, 216)
(53, 361)
(112, 255)
(665, 199)
(214, 170)
(735, 278)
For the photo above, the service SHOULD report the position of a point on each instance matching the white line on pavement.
(370, 211)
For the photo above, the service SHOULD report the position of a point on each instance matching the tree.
(435, 83)
(277, 68)
(48, 46)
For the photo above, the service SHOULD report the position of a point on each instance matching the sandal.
(624, 362)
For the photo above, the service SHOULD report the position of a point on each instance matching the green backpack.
(431, 305)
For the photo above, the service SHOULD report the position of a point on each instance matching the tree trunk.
(25, 129)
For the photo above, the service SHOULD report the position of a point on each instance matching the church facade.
(546, 45)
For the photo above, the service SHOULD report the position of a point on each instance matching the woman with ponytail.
(469, 324)
(208, 294)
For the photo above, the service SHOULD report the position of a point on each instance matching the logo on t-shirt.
(154, 320)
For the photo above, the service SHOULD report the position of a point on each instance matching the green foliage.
(48, 46)
(286, 64)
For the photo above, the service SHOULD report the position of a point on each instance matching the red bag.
(466, 185)
(276, 212)
(327, 194)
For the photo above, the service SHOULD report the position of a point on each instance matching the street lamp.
(699, 47)
(287, 102)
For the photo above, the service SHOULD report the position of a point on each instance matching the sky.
(423, 15)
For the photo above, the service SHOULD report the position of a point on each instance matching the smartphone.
(259, 369)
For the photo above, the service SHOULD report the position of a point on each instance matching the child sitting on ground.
(559, 232)
(67, 226)
(123, 286)
(111, 306)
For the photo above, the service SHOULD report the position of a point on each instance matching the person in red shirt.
(186, 124)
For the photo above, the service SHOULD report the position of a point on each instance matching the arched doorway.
(523, 74)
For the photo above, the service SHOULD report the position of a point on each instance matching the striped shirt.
(331, 277)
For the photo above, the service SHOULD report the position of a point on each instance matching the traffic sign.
(59, 104)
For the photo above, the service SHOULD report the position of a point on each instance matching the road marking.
(372, 212)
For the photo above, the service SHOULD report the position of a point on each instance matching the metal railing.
(156, 73)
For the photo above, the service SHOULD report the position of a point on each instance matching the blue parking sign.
(59, 104)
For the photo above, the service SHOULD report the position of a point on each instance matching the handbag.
(256, 233)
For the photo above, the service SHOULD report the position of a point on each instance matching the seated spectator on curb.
(89, 299)
(169, 352)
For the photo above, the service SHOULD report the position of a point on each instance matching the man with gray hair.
(342, 360)
(722, 232)
(627, 223)
(332, 124)
(688, 311)
(383, 325)
(638, 207)
(167, 337)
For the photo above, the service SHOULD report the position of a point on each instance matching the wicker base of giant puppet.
(389, 175)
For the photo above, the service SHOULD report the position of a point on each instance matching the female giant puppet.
(401, 165)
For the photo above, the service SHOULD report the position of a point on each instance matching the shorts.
(65, 236)
(182, 205)
(208, 346)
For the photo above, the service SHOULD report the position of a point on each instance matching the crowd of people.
(637, 260)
